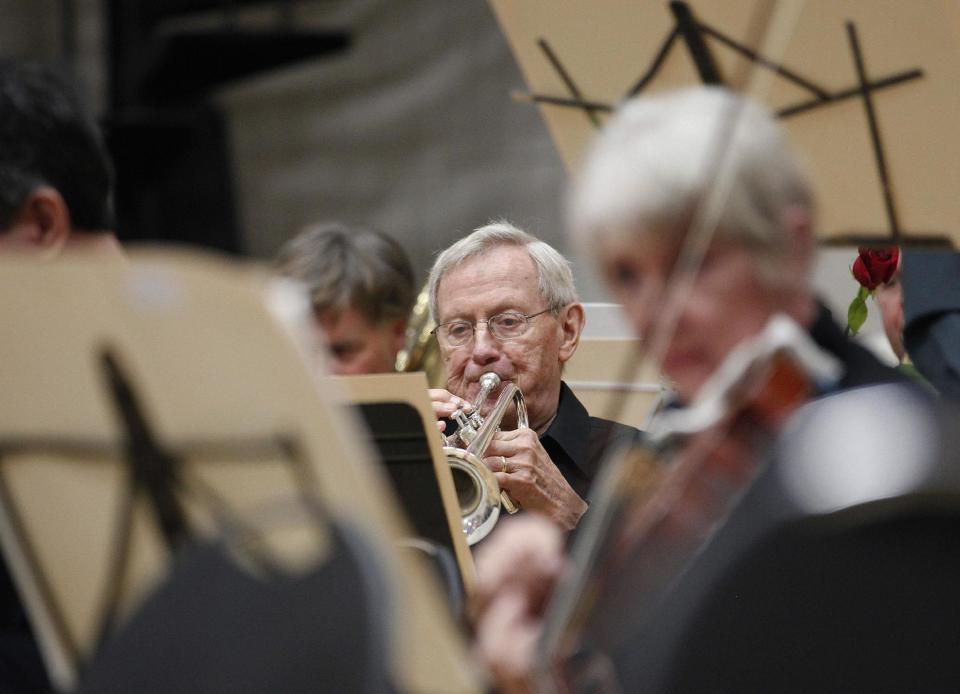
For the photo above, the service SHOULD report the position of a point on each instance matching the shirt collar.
(570, 429)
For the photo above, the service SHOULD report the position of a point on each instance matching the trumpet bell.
(477, 492)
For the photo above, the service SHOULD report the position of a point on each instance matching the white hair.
(655, 159)
(555, 278)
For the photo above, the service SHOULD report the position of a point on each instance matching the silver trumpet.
(479, 494)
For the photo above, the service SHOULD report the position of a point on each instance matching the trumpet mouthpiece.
(489, 381)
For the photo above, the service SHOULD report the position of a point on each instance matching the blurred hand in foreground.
(517, 569)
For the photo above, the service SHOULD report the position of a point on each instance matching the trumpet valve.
(466, 426)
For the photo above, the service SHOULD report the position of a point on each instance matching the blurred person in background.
(933, 315)
(361, 288)
(924, 307)
(55, 177)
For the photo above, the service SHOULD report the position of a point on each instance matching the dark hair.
(47, 138)
(347, 267)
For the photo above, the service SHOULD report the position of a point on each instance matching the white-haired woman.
(701, 221)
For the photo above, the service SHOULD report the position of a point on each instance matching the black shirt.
(577, 442)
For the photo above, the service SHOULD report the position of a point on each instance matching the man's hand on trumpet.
(445, 404)
(523, 468)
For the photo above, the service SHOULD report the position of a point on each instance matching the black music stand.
(399, 437)
(402, 428)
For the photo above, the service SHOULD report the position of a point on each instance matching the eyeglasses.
(504, 326)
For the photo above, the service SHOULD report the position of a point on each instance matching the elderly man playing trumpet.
(504, 302)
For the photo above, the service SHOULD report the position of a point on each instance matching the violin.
(658, 504)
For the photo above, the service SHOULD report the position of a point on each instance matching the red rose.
(875, 266)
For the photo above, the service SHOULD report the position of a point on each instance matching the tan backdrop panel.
(606, 46)
(209, 364)
(595, 374)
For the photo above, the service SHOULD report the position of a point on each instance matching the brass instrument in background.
(479, 494)
(420, 351)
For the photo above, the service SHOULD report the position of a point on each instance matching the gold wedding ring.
(504, 466)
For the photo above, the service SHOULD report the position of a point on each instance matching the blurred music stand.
(234, 448)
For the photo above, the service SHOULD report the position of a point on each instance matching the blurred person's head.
(362, 290)
(504, 301)
(55, 176)
(641, 193)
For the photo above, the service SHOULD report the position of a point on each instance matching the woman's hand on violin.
(517, 568)
(530, 477)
